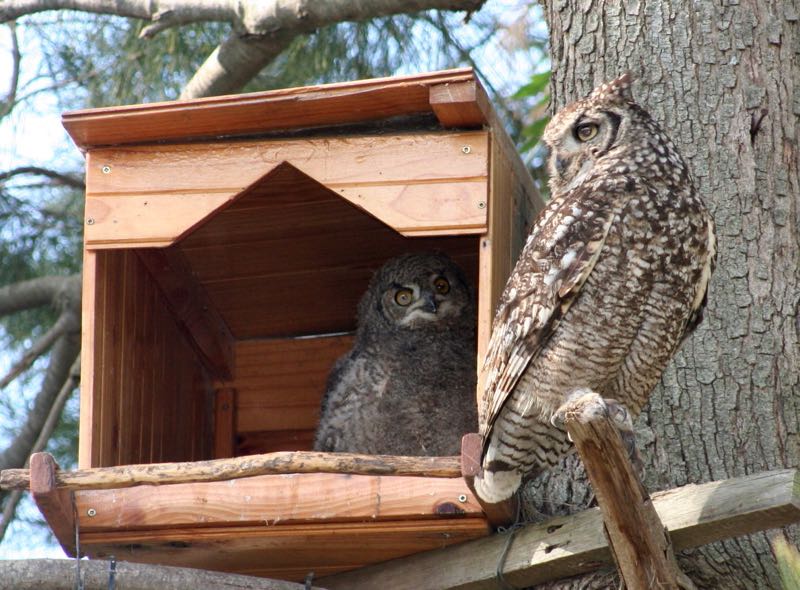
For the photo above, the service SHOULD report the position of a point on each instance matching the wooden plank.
(56, 505)
(276, 499)
(571, 545)
(280, 382)
(125, 476)
(639, 543)
(459, 104)
(154, 195)
(259, 112)
(91, 318)
(192, 309)
(224, 423)
(284, 551)
(499, 514)
(495, 250)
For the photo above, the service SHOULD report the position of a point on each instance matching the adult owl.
(407, 387)
(612, 278)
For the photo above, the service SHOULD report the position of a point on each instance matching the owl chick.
(612, 278)
(407, 387)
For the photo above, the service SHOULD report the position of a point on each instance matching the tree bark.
(724, 80)
(56, 574)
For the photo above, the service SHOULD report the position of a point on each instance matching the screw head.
(91, 512)
(466, 149)
(90, 221)
(462, 498)
(481, 204)
(106, 169)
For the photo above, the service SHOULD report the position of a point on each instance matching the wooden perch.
(640, 544)
(566, 546)
(103, 478)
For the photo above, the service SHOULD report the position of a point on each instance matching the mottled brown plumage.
(610, 281)
(407, 387)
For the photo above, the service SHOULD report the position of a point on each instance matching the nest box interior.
(227, 243)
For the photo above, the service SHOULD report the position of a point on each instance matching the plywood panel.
(146, 379)
(280, 383)
(153, 195)
(259, 112)
(287, 551)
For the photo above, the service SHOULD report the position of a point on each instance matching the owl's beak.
(429, 304)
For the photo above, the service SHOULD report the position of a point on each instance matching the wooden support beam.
(640, 544)
(572, 545)
(460, 104)
(192, 308)
(56, 505)
(126, 476)
(500, 514)
(224, 423)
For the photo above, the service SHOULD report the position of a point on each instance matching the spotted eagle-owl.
(407, 387)
(611, 279)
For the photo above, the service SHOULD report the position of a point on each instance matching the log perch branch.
(639, 543)
(126, 476)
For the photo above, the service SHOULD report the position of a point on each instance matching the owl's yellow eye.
(442, 286)
(585, 131)
(404, 297)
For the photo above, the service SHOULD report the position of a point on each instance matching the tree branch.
(11, 98)
(38, 349)
(44, 435)
(38, 292)
(65, 293)
(54, 574)
(263, 28)
(59, 177)
(238, 59)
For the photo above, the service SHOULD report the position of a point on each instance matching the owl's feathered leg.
(618, 413)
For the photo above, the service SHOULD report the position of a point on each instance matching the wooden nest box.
(227, 243)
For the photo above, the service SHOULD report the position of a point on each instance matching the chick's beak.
(429, 304)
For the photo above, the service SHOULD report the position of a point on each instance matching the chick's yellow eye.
(442, 286)
(403, 297)
(586, 131)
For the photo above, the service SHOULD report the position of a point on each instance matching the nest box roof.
(455, 97)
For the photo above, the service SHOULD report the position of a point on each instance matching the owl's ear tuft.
(618, 88)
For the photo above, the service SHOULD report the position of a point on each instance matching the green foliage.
(536, 92)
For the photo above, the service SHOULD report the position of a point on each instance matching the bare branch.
(38, 292)
(263, 28)
(238, 59)
(59, 177)
(41, 346)
(44, 435)
(11, 98)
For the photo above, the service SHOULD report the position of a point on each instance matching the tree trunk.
(724, 81)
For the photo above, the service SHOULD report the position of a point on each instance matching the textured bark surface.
(724, 80)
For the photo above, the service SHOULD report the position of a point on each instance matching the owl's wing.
(561, 251)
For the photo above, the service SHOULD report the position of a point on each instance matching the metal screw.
(106, 169)
(91, 512)
(481, 204)
(462, 498)
(90, 221)
(466, 149)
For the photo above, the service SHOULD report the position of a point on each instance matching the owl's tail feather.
(497, 486)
